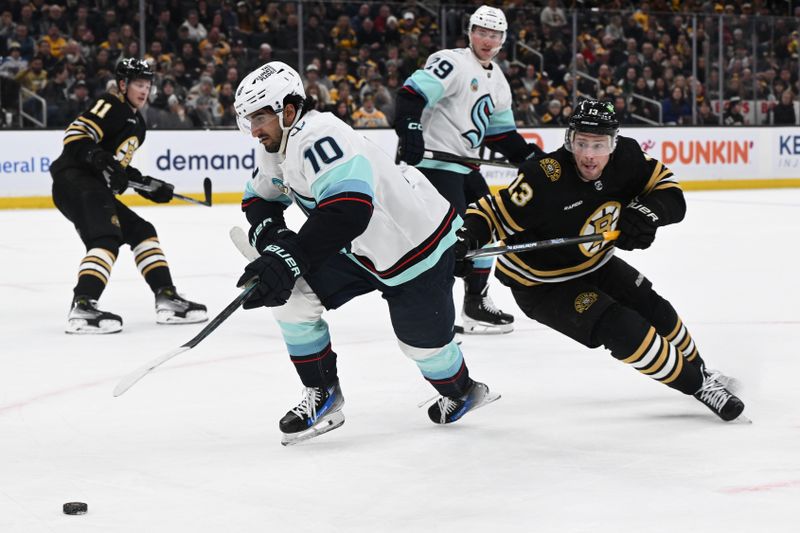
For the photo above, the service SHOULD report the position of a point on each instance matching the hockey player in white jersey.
(458, 102)
(369, 227)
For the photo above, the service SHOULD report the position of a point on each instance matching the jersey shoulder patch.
(551, 168)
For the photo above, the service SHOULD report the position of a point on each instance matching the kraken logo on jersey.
(126, 149)
(481, 112)
(604, 218)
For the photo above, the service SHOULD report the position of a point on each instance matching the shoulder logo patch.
(584, 301)
(551, 167)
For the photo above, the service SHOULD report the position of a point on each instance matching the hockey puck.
(75, 508)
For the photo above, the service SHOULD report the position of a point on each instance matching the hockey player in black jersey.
(598, 181)
(93, 167)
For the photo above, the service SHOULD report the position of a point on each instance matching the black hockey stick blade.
(206, 194)
(131, 379)
(539, 245)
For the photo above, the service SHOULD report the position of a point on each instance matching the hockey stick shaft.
(206, 201)
(540, 245)
(131, 379)
(453, 158)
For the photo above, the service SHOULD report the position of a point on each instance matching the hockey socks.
(94, 272)
(152, 264)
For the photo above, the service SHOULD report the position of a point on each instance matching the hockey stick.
(539, 245)
(453, 158)
(206, 192)
(242, 243)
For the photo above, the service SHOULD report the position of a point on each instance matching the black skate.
(448, 409)
(716, 397)
(320, 411)
(171, 308)
(481, 317)
(85, 318)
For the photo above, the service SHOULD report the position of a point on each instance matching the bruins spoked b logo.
(604, 218)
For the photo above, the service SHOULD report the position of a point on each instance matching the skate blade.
(82, 327)
(334, 421)
(741, 419)
(192, 317)
(482, 328)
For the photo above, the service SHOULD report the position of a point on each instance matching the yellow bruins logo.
(126, 150)
(551, 167)
(115, 221)
(584, 301)
(603, 219)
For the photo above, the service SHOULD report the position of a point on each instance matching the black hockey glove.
(466, 241)
(411, 144)
(111, 169)
(637, 225)
(156, 190)
(278, 268)
(267, 232)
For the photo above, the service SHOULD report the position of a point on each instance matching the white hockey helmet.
(491, 18)
(267, 86)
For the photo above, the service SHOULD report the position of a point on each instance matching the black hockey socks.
(94, 271)
(316, 369)
(152, 264)
(635, 342)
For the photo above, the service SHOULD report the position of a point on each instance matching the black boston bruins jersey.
(111, 123)
(549, 200)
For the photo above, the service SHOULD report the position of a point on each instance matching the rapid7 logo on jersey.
(481, 114)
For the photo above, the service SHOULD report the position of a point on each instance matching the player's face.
(485, 42)
(264, 125)
(138, 91)
(592, 153)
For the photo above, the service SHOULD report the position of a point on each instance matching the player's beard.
(272, 147)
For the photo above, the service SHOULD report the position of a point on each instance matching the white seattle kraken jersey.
(465, 103)
(326, 161)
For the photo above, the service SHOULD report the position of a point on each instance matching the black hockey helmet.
(133, 69)
(593, 116)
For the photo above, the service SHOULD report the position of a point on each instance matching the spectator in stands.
(553, 116)
(33, 78)
(112, 44)
(408, 26)
(391, 34)
(264, 56)
(342, 111)
(314, 35)
(525, 113)
(26, 43)
(733, 113)
(553, 15)
(621, 109)
(382, 97)
(7, 25)
(287, 35)
(196, 31)
(367, 35)
(368, 116)
(676, 108)
(343, 35)
(13, 63)
(79, 100)
(706, 117)
(783, 112)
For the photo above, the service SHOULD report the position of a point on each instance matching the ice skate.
(320, 411)
(481, 317)
(85, 318)
(716, 397)
(448, 409)
(171, 308)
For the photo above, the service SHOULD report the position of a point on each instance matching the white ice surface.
(578, 443)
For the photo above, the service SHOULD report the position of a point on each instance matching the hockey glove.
(111, 169)
(637, 225)
(278, 268)
(156, 190)
(466, 241)
(267, 232)
(411, 144)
